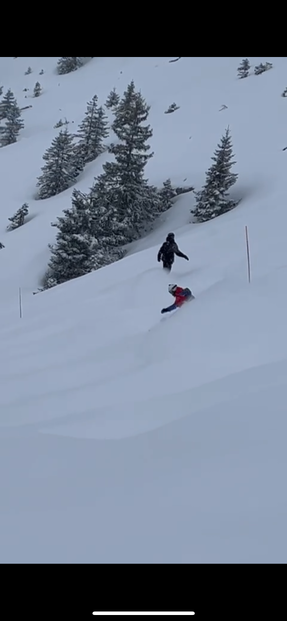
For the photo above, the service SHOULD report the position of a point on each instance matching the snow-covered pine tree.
(19, 217)
(60, 123)
(71, 257)
(73, 253)
(77, 219)
(262, 67)
(112, 100)
(172, 108)
(132, 203)
(1, 246)
(92, 131)
(121, 201)
(213, 199)
(244, 68)
(151, 205)
(29, 70)
(79, 161)
(37, 89)
(14, 123)
(106, 231)
(166, 194)
(66, 64)
(259, 69)
(1, 90)
(104, 227)
(6, 103)
(61, 168)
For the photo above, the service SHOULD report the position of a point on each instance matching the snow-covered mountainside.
(127, 436)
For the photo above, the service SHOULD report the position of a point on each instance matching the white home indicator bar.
(143, 613)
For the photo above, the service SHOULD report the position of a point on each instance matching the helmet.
(170, 237)
(172, 288)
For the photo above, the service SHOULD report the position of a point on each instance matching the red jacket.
(180, 297)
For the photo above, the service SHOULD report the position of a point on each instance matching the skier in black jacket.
(167, 251)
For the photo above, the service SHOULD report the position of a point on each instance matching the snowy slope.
(127, 436)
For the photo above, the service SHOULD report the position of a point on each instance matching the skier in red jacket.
(181, 296)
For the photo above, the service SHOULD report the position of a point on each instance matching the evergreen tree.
(60, 123)
(130, 198)
(112, 100)
(79, 160)
(261, 68)
(1, 246)
(166, 194)
(76, 220)
(172, 108)
(78, 250)
(73, 253)
(18, 218)
(92, 131)
(37, 89)
(71, 257)
(213, 200)
(14, 123)
(29, 70)
(1, 90)
(108, 234)
(61, 168)
(7, 102)
(104, 226)
(120, 203)
(244, 68)
(66, 64)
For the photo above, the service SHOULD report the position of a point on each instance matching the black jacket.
(168, 250)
